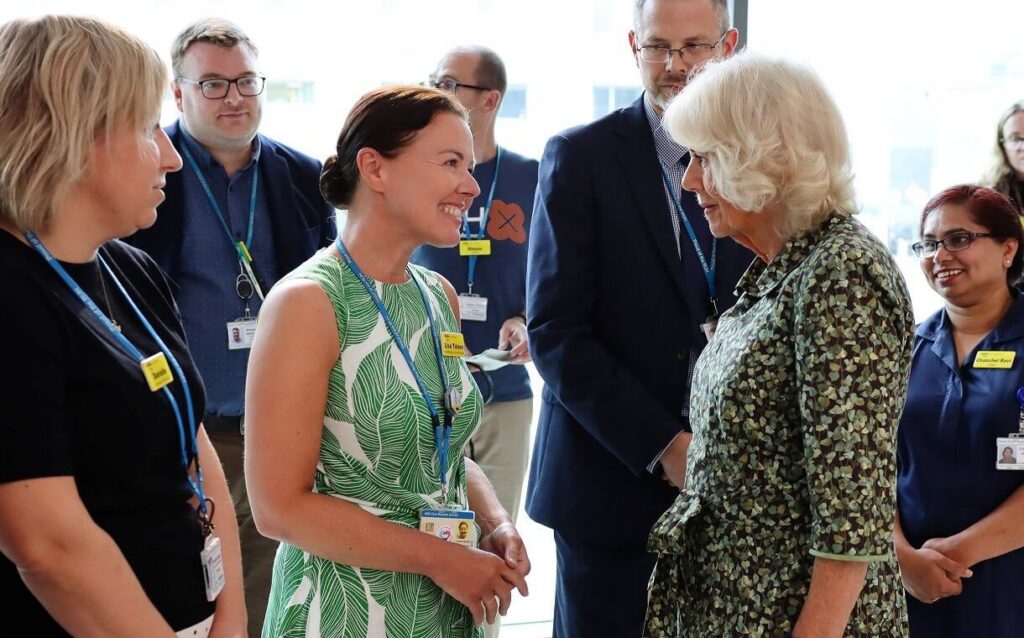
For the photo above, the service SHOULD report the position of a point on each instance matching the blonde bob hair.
(772, 136)
(66, 82)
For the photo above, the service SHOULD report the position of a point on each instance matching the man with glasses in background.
(488, 270)
(625, 284)
(243, 212)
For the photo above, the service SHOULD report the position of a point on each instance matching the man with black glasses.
(244, 211)
(488, 270)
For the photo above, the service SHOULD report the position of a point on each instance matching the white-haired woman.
(105, 517)
(785, 522)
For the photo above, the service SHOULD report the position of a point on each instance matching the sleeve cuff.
(657, 459)
(851, 558)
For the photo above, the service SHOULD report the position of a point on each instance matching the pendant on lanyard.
(157, 372)
(243, 248)
(451, 399)
(711, 321)
(1010, 449)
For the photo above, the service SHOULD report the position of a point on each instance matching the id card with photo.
(241, 332)
(454, 526)
(1010, 453)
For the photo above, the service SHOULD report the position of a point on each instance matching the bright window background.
(919, 82)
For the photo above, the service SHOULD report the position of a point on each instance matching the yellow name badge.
(994, 359)
(157, 371)
(478, 247)
(453, 344)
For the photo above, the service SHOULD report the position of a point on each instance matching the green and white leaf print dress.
(377, 451)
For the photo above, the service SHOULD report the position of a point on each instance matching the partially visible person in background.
(1007, 172)
(488, 270)
(245, 211)
(105, 516)
(960, 527)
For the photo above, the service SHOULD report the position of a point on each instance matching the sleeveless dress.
(377, 451)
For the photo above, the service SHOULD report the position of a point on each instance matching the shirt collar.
(761, 278)
(203, 157)
(1010, 328)
(669, 152)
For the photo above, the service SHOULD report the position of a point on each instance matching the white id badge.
(1010, 453)
(473, 307)
(454, 526)
(213, 567)
(240, 333)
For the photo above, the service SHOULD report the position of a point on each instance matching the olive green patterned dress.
(377, 451)
(794, 409)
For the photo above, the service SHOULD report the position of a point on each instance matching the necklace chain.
(106, 298)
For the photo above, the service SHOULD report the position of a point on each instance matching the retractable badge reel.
(1010, 449)
(242, 330)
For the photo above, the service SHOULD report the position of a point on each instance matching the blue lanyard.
(709, 270)
(471, 273)
(129, 347)
(442, 431)
(242, 254)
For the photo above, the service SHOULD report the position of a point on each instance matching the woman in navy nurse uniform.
(960, 523)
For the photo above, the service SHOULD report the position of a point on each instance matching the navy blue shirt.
(209, 268)
(947, 470)
(501, 276)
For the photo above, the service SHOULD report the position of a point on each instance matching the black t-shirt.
(74, 403)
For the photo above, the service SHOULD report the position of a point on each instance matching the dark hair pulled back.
(386, 120)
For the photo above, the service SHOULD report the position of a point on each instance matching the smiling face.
(674, 24)
(429, 185)
(126, 176)
(966, 277)
(228, 123)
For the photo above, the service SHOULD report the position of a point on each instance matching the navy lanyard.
(471, 272)
(129, 347)
(244, 252)
(442, 431)
(709, 270)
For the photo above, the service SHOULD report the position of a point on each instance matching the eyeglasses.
(452, 86)
(953, 242)
(661, 54)
(1014, 141)
(217, 88)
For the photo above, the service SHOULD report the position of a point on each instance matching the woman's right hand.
(929, 575)
(479, 580)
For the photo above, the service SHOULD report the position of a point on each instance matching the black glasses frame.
(452, 86)
(203, 84)
(928, 247)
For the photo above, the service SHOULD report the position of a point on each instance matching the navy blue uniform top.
(501, 276)
(947, 470)
(209, 267)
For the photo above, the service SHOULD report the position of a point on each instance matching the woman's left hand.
(513, 335)
(504, 542)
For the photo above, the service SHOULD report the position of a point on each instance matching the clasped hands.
(936, 570)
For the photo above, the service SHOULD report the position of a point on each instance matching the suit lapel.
(640, 165)
(285, 218)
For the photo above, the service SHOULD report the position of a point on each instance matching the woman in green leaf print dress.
(341, 455)
(784, 524)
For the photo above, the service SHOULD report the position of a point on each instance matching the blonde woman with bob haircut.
(112, 500)
(784, 524)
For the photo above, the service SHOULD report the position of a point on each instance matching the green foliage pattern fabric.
(377, 451)
(794, 409)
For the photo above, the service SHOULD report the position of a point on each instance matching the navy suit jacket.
(300, 220)
(612, 314)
